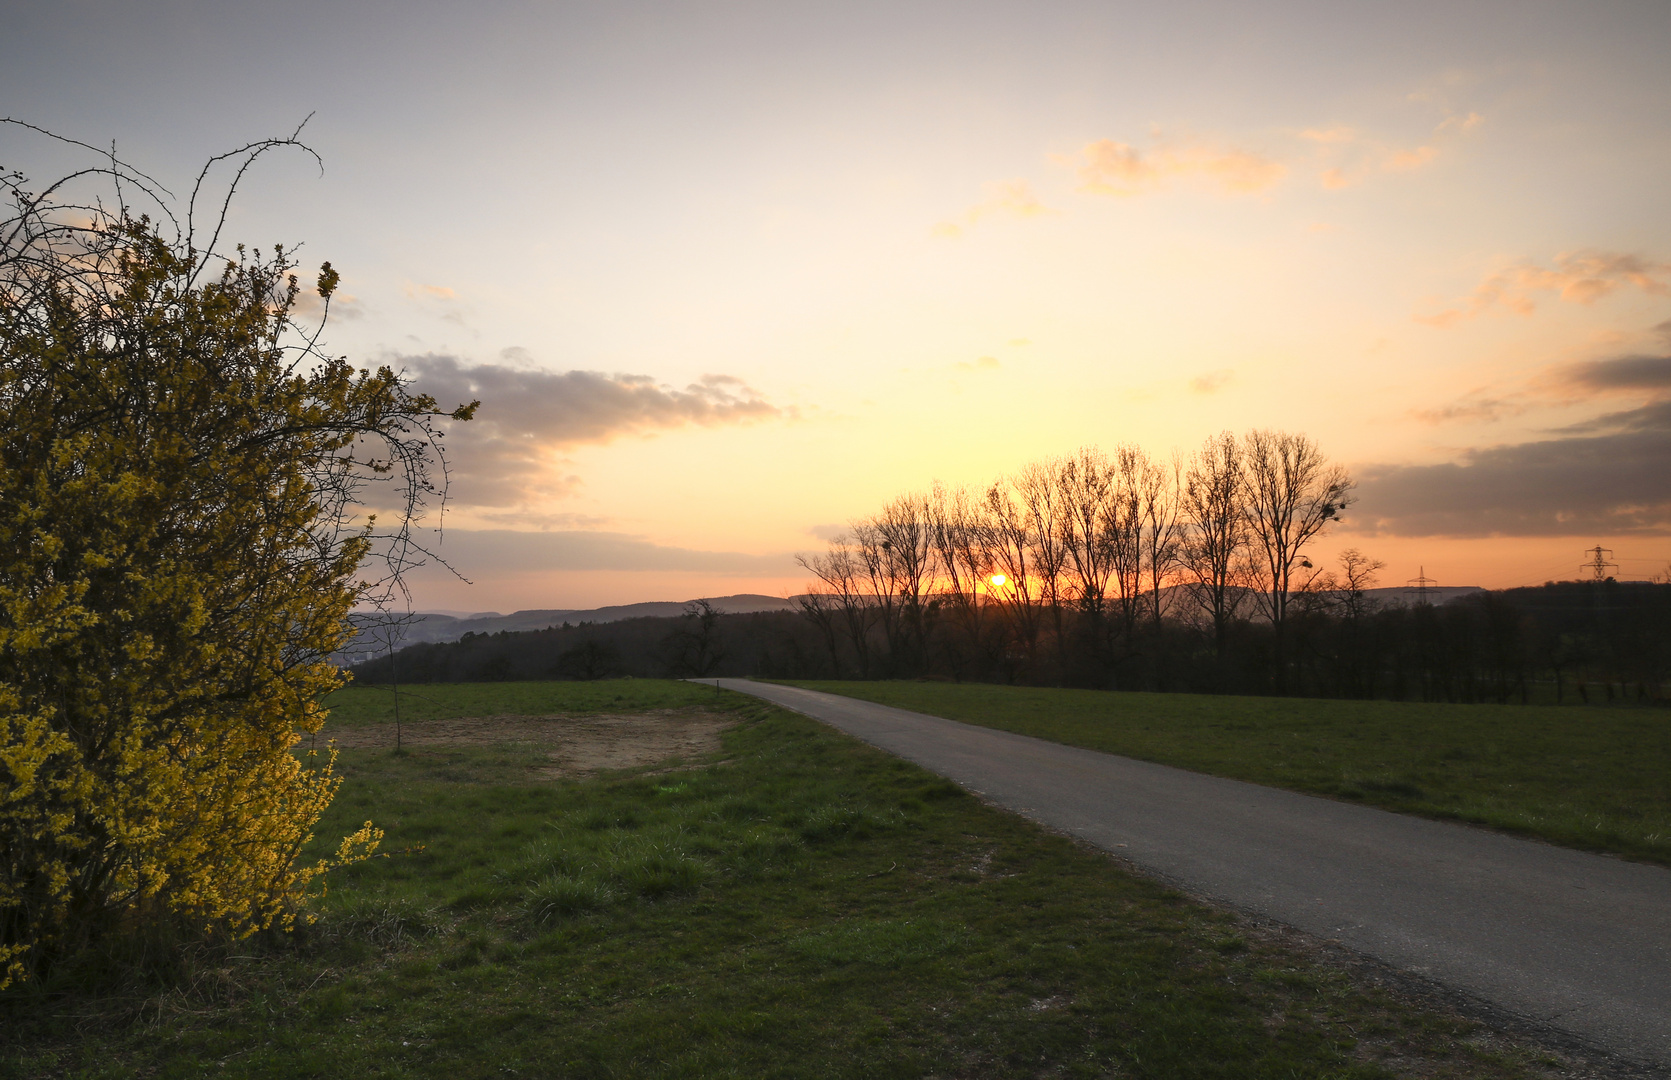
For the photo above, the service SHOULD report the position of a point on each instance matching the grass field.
(1598, 779)
(800, 906)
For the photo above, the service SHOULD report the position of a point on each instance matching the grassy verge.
(1597, 779)
(801, 906)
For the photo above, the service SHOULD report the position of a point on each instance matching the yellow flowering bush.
(179, 479)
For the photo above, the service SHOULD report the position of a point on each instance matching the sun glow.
(998, 581)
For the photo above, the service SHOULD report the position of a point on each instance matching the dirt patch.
(576, 745)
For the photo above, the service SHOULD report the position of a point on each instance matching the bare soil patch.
(575, 745)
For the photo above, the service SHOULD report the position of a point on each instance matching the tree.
(1347, 595)
(1012, 547)
(1290, 493)
(958, 534)
(695, 647)
(1090, 526)
(839, 571)
(182, 476)
(1215, 531)
(895, 550)
(1044, 509)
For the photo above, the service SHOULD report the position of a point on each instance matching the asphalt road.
(1576, 941)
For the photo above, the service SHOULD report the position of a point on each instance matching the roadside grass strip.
(1589, 778)
(798, 905)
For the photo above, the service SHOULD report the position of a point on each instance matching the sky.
(726, 276)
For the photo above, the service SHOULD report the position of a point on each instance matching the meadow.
(1591, 778)
(795, 905)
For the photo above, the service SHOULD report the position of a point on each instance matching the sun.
(998, 580)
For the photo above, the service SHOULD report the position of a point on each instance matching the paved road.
(1578, 941)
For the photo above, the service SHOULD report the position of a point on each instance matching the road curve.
(1577, 941)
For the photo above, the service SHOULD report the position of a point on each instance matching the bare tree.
(1290, 494)
(695, 647)
(1039, 487)
(1011, 549)
(1086, 483)
(1358, 575)
(1215, 531)
(1160, 526)
(896, 552)
(956, 531)
(823, 611)
(1345, 596)
(1123, 532)
(840, 602)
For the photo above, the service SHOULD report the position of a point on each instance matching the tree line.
(1124, 571)
(1574, 642)
(1070, 570)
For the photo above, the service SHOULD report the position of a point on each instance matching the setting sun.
(997, 580)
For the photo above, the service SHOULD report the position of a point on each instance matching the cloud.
(1604, 477)
(488, 551)
(1652, 373)
(441, 301)
(828, 532)
(1107, 167)
(1581, 277)
(1472, 407)
(1459, 123)
(985, 363)
(1346, 157)
(511, 452)
(1007, 198)
(1210, 382)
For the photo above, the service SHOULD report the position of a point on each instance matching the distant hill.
(434, 626)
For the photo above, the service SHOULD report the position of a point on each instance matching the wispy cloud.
(1007, 198)
(1472, 407)
(1345, 156)
(1107, 167)
(1581, 277)
(1211, 382)
(439, 300)
(984, 363)
(511, 453)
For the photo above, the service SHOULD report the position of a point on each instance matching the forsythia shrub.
(177, 561)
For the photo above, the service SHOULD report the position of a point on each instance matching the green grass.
(1597, 779)
(803, 906)
(358, 704)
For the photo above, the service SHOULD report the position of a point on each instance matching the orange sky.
(726, 276)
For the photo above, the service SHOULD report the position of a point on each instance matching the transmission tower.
(1598, 564)
(1420, 586)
